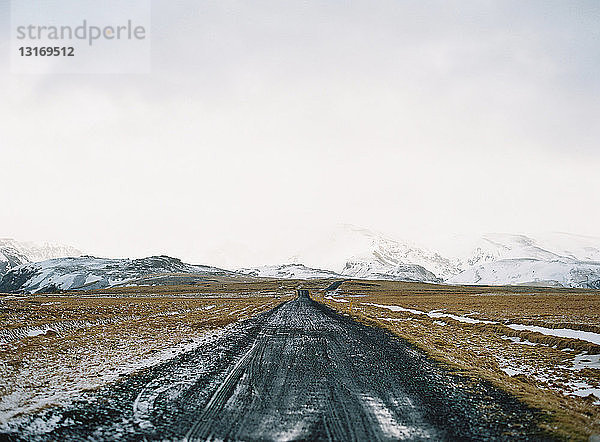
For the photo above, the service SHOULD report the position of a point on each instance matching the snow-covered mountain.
(554, 259)
(536, 272)
(89, 273)
(353, 251)
(548, 247)
(14, 253)
(353, 270)
(495, 258)
(394, 272)
(10, 258)
(289, 271)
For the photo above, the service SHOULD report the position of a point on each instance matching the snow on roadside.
(20, 402)
(573, 387)
(583, 389)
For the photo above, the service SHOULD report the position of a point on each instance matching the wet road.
(298, 372)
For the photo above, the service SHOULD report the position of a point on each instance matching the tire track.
(202, 428)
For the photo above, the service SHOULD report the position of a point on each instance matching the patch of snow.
(432, 314)
(594, 338)
(584, 360)
(511, 368)
(396, 308)
(293, 432)
(15, 334)
(92, 278)
(511, 371)
(517, 340)
(331, 298)
(583, 389)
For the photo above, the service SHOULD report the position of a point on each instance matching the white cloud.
(264, 123)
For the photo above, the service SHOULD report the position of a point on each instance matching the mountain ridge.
(91, 273)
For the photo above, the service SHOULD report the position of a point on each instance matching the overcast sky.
(263, 122)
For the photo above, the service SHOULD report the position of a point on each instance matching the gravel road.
(298, 372)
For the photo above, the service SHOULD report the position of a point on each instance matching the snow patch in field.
(16, 334)
(594, 338)
(465, 319)
(396, 308)
(583, 389)
(331, 298)
(432, 314)
(583, 361)
(510, 368)
(517, 340)
(511, 371)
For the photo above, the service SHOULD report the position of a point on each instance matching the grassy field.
(52, 347)
(469, 328)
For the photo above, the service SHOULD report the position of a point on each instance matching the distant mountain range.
(289, 271)
(557, 259)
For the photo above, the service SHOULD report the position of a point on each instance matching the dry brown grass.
(87, 341)
(213, 286)
(484, 350)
